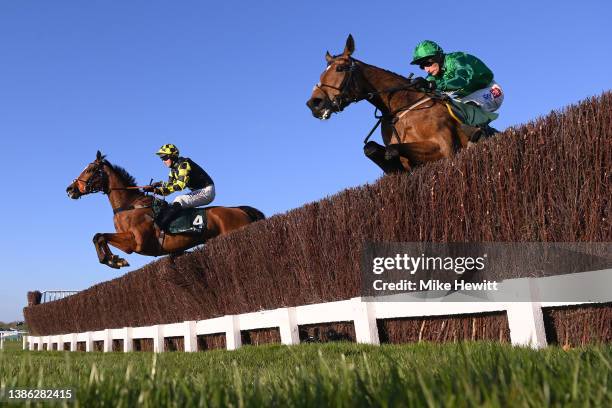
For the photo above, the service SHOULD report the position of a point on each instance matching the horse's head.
(336, 88)
(92, 179)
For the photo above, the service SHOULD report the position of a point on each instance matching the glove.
(152, 187)
(422, 83)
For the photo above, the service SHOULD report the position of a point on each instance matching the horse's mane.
(123, 174)
(396, 75)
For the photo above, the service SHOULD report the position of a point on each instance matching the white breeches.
(489, 98)
(197, 198)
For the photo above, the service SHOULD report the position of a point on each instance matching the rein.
(392, 118)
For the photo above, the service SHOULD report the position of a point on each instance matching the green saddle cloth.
(471, 115)
(191, 220)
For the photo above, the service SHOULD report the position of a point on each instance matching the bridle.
(341, 100)
(99, 177)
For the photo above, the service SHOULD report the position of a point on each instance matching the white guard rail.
(525, 319)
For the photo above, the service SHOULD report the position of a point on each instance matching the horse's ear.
(99, 155)
(328, 57)
(350, 45)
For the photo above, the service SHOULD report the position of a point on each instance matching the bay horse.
(133, 216)
(417, 127)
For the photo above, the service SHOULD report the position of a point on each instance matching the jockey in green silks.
(463, 76)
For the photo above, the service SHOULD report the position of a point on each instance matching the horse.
(135, 228)
(417, 126)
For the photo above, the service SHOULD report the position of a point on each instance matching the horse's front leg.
(376, 153)
(124, 241)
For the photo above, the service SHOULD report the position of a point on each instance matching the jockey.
(184, 173)
(463, 76)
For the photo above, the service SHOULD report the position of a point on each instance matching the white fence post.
(526, 324)
(158, 338)
(288, 327)
(127, 339)
(108, 341)
(191, 339)
(1, 341)
(88, 342)
(233, 340)
(366, 330)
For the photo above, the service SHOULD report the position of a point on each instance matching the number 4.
(198, 221)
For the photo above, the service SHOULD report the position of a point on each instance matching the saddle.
(189, 220)
(473, 120)
(469, 114)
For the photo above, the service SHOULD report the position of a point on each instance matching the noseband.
(340, 101)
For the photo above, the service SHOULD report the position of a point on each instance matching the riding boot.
(473, 133)
(169, 215)
(489, 131)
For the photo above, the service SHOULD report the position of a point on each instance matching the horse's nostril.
(314, 103)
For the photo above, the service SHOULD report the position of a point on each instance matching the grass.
(335, 374)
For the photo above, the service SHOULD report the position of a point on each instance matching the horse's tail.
(253, 213)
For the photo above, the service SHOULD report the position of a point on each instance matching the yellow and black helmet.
(168, 150)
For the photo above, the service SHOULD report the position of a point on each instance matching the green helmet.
(425, 49)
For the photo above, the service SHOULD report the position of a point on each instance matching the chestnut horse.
(416, 127)
(133, 216)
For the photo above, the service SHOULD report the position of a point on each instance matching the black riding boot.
(473, 133)
(169, 215)
(489, 131)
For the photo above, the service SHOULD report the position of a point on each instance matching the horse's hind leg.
(376, 153)
(124, 241)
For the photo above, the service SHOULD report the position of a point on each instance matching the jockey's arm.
(176, 182)
(459, 78)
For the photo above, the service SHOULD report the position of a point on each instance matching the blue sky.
(227, 82)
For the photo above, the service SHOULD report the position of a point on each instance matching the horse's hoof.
(120, 262)
(372, 148)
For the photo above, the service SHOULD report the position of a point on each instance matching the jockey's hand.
(422, 83)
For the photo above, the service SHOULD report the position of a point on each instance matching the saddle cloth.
(189, 220)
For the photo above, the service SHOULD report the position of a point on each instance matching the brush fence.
(525, 319)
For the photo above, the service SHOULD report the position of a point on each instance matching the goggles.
(427, 63)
